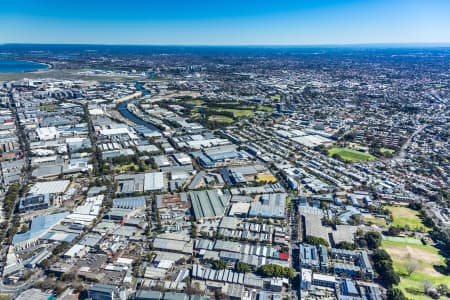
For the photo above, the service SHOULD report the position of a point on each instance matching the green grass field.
(48, 107)
(237, 113)
(265, 108)
(195, 102)
(350, 155)
(403, 240)
(384, 150)
(127, 167)
(377, 221)
(426, 258)
(220, 119)
(406, 217)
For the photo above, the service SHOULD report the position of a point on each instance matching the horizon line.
(370, 44)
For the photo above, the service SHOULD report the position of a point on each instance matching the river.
(132, 117)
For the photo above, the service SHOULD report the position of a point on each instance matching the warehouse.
(308, 256)
(47, 133)
(144, 182)
(33, 202)
(130, 202)
(182, 158)
(39, 227)
(173, 245)
(270, 206)
(208, 204)
(51, 188)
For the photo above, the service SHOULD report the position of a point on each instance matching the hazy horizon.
(231, 23)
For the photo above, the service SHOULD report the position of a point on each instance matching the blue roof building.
(130, 202)
(39, 227)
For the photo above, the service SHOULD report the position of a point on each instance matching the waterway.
(123, 109)
(20, 66)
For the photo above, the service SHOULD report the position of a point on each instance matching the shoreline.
(47, 66)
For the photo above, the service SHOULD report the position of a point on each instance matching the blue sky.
(230, 22)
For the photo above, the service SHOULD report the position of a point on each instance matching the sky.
(228, 22)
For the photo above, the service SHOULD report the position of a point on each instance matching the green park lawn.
(406, 217)
(427, 258)
(350, 155)
(195, 102)
(220, 119)
(265, 108)
(237, 113)
(374, 220)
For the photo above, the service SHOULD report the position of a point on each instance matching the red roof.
(283, 256)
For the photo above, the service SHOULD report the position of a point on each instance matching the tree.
(395, 294)
(273, 270)
(373, 239)
(316, 241)
(442, 289)
(411, 266)
(382, 263)
(219, 264)
(381, 254)
(394, 231)
(390, 277)
(345, 245)
(242, 267)
(427, 286)
(447, 266)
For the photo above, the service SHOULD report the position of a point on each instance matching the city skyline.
(174, 22)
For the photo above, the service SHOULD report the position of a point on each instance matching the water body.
(132, 117)
(20, 66)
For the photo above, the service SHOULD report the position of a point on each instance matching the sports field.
(406, 217)
(350, 155)
(195, 102)
(427, 261)
(237, 113)
(220, 119)
(402, 240)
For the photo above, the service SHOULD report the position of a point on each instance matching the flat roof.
(50, 187)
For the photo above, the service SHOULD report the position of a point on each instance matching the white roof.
(47, 133)
(165, 264)
(306, 275)
(323, 277)
(72, 252)
(50, 187)
(113, 131)
(153, 181)
(124, 261)
(96, 111)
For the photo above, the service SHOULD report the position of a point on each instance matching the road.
(15, 290)
(23, 181)
(402, 152)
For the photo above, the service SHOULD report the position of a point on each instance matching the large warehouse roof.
(50, 187)
(270, 206)
(208, 204)
(153, 181)
(129, 183)
(130, 202)
(39, 226)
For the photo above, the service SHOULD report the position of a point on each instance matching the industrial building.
(270, 206)
(208, 204)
